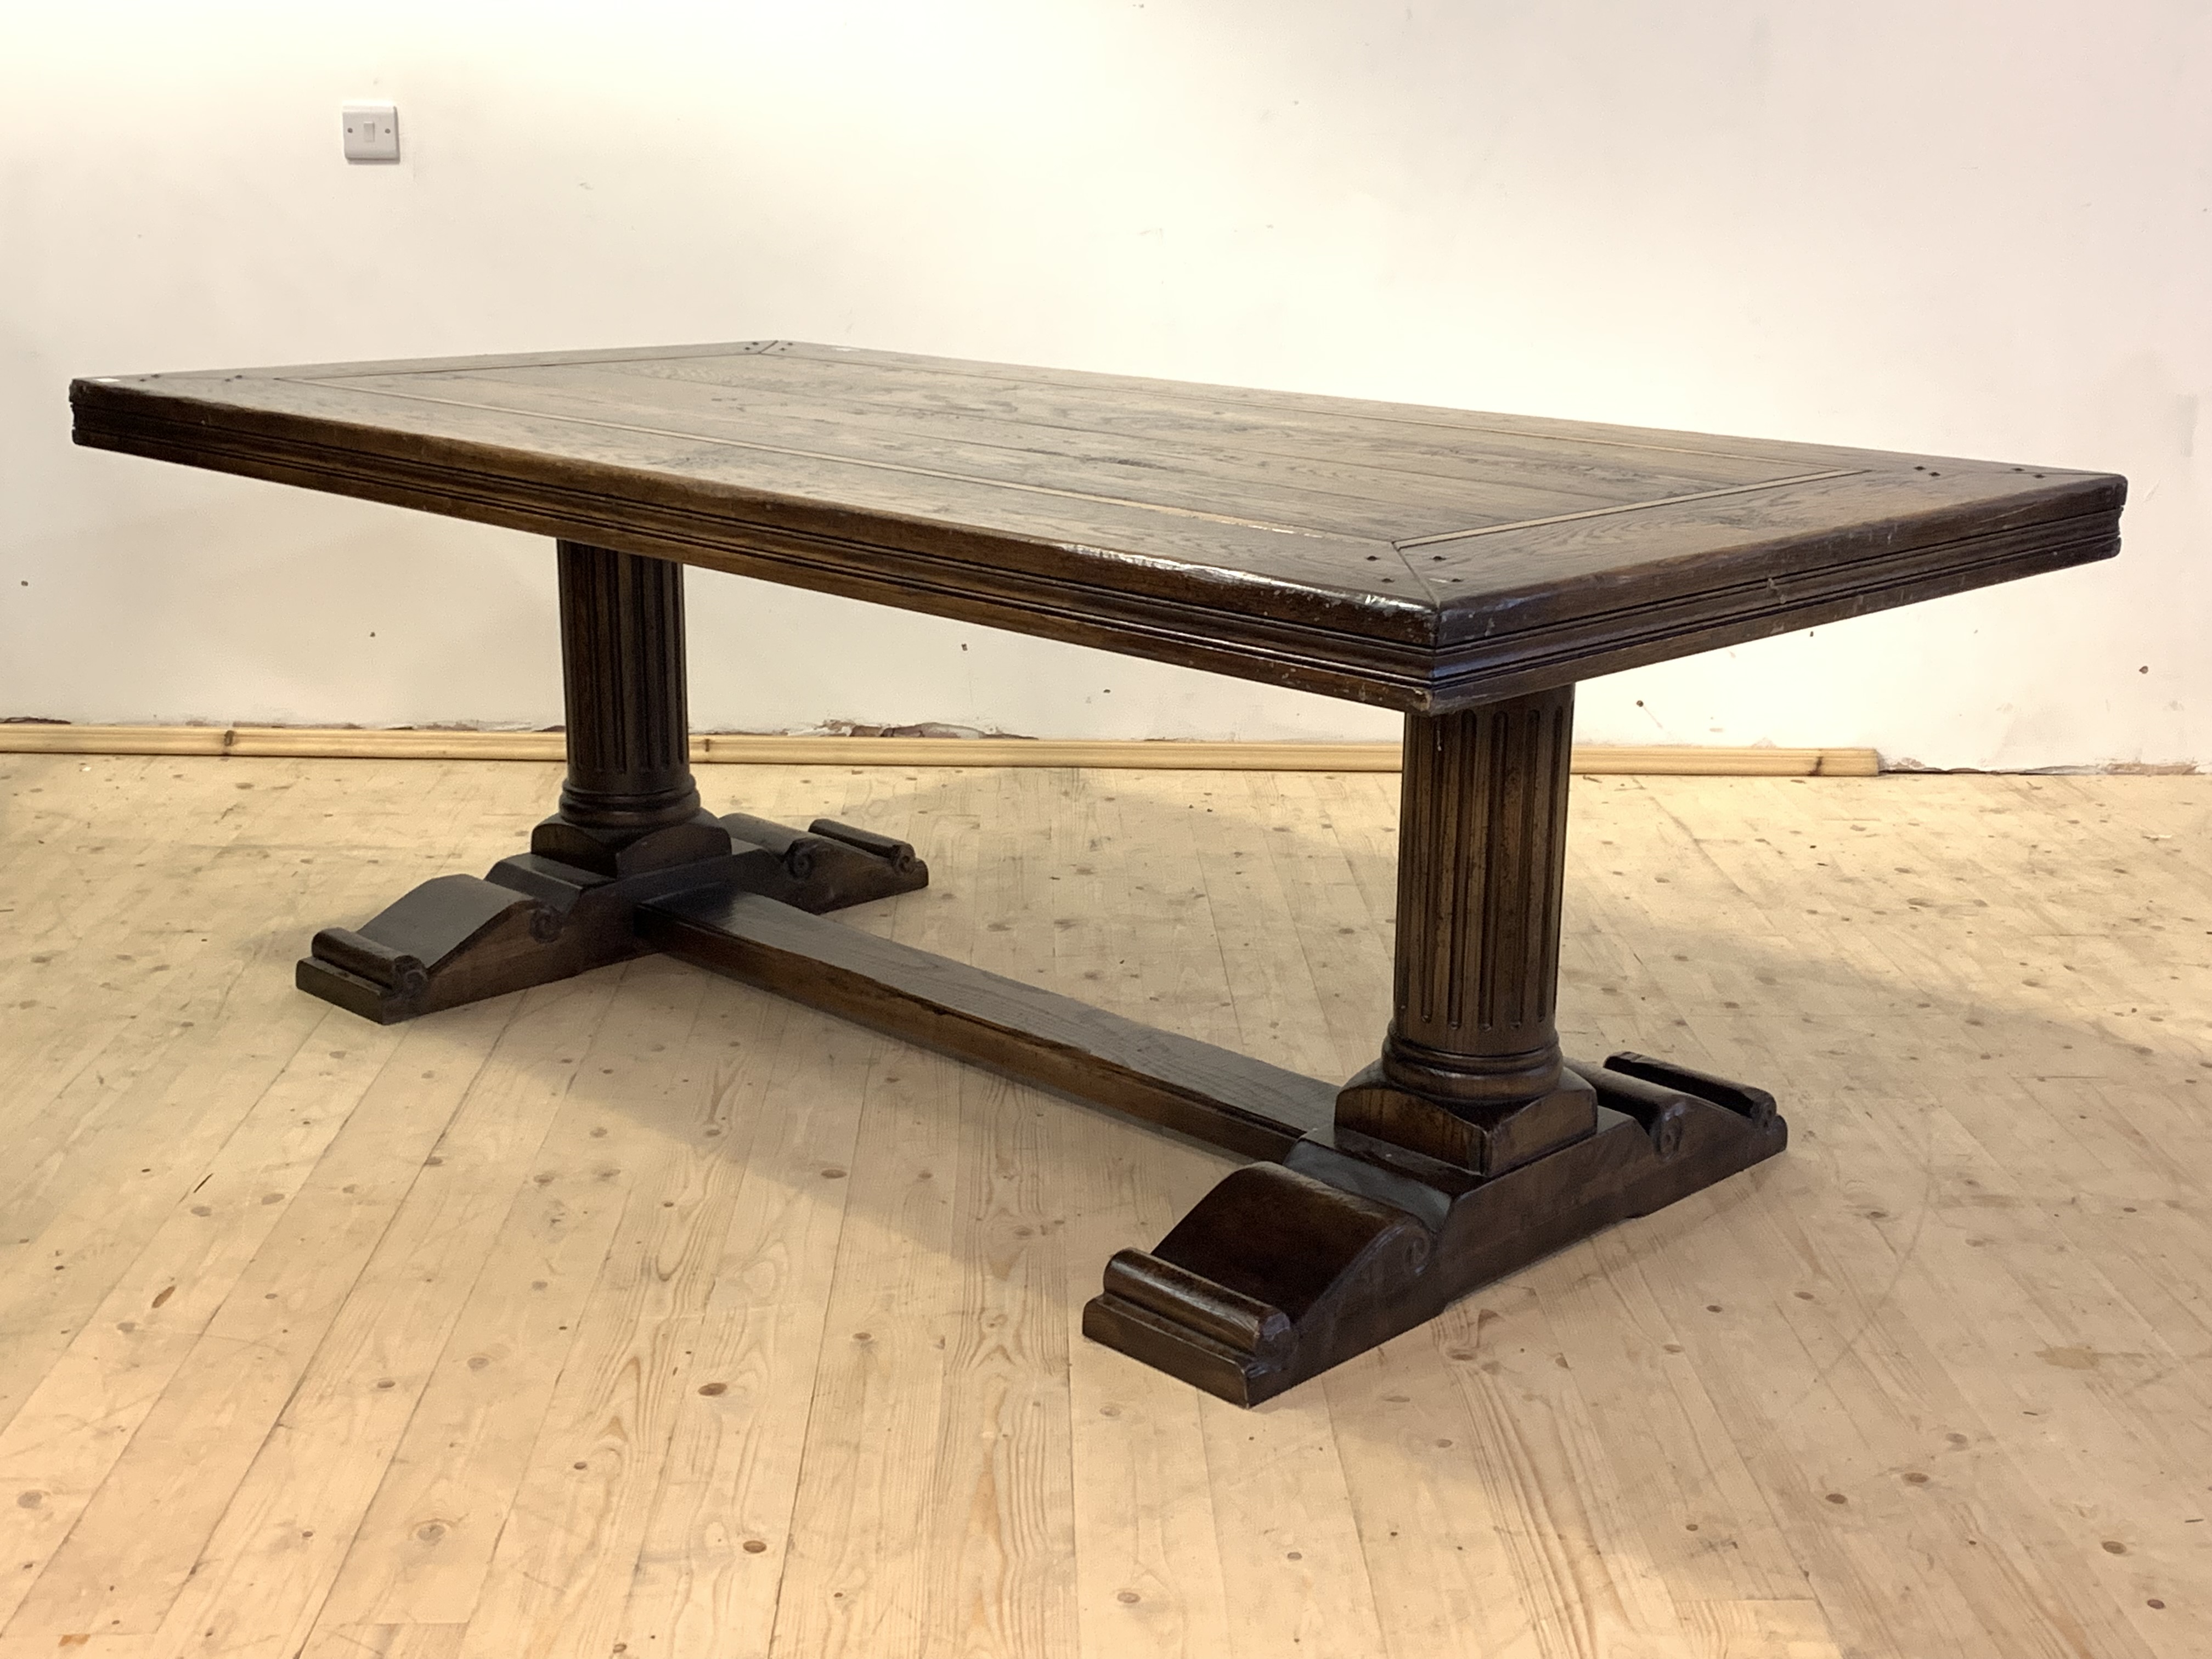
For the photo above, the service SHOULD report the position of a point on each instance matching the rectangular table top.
(1417, 558)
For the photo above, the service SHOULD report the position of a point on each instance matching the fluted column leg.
(629, 799)
(629, 830)
(621, 652)
(1470, 1070)
(1469, 1148)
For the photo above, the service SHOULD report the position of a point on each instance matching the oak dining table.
(1465, 569)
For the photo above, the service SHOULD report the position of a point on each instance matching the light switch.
(372, 132)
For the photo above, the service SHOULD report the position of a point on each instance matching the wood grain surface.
(747, 748)
(1413, 557)
(649, 1310)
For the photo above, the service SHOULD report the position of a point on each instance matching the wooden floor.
(647, 1314)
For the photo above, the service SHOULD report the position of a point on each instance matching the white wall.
(1976, 229)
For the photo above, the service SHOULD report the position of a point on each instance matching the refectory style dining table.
(1466, 569)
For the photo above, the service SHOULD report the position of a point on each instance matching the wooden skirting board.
(347, 742)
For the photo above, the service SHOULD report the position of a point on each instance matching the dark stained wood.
(533, 919)
(1484, 814)
(1471, 1071)
(628, 730)
(629, 804)
(1241, 1105)
(1285, 1269)
(1421, 559)
(1471, 1147)
(1315, 480)
(1467, 569)
(454, 939)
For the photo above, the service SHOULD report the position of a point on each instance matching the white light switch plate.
(372, 132)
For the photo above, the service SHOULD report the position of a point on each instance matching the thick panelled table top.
(1422, 559)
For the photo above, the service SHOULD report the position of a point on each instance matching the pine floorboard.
(645, 1313)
